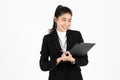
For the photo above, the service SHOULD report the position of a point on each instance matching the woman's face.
(63, 22)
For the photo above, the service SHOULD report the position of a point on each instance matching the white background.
(23, 23)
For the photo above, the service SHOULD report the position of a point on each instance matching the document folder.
(81, 49)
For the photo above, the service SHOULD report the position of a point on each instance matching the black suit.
(51, 48)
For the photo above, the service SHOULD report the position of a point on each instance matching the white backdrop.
(23, 23)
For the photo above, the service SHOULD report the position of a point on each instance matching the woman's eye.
(63, 20)
(69, 21)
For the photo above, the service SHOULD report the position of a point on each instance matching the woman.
(55, 55)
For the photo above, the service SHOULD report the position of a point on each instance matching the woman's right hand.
(62, 58)
(59, 59)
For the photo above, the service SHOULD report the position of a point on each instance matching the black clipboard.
(81, 49)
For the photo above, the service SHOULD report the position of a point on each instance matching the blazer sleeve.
(44, 63)
(82, 60)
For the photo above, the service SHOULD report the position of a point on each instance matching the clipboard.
(81, 49)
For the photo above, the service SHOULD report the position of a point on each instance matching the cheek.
(59, 23)
(62, 22)
(69, 23)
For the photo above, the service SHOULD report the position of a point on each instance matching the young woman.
(55, 56)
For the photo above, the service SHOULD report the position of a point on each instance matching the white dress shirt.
(62, 40)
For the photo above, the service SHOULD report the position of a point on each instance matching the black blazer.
(51, 50)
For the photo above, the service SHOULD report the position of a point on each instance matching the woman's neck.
(60, 31)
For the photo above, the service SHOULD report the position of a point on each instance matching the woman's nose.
(67, 23)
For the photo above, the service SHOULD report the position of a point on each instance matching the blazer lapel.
(69, 40)
(56, 40)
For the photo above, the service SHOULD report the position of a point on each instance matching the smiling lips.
(64, 27)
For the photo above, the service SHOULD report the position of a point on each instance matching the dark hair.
(58, 12)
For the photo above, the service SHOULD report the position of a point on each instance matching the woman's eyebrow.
(63, 18)
(66, 18)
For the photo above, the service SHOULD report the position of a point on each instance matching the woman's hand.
(66, 56)
(62, 58)
(58, 60)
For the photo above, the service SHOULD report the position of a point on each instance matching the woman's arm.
(82, 60)
(44, 63)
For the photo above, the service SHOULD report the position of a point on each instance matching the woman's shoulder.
(46, 36)
(69, 31)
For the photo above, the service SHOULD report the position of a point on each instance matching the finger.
(69, 53)
(63, 55)
(66, 54)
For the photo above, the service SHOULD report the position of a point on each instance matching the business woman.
(55, 56)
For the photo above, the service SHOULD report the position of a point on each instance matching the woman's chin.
(64, 29)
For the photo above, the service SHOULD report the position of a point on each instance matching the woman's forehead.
(66, 16)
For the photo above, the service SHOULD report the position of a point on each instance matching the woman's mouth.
(64, 27)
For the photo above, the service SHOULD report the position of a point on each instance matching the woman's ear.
(55, 19)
